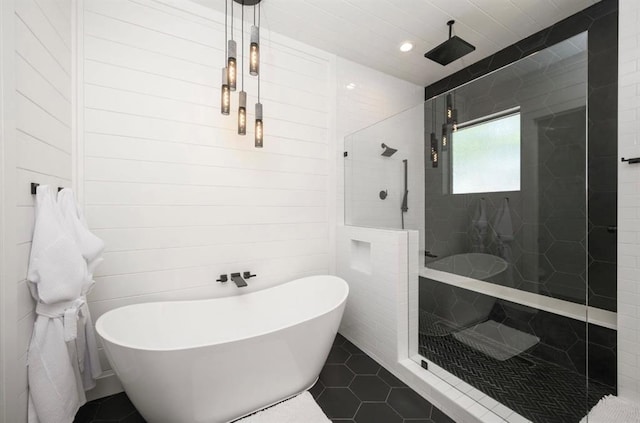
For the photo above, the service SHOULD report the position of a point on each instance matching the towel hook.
(34, 188)
(633, 160)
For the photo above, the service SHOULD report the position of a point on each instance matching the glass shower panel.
(502, 296)
(493, 175)
(384, 173)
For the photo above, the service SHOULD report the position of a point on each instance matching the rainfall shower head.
(388, 151)
(452, 49)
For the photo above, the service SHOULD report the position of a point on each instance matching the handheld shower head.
(388, 151)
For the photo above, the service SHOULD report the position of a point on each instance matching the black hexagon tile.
(359, 391)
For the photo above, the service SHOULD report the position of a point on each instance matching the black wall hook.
(34, 188)
(631, 161)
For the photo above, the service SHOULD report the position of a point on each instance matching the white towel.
(612, 409)
(479, 225)
(295, 410)
(502, 224)
(75, 224)
(58, 274)
(55, 264)
(91, 248)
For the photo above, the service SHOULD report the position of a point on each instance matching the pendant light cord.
(242, 42)
(433, 116)
(226, 52)
(254, 17)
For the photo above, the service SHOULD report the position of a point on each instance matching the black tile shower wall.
(548, 211)
(562, 137)
(602, 160)
(598, 15)
(601, 22)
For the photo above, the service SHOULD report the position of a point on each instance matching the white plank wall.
(43, 140)
(177, 195)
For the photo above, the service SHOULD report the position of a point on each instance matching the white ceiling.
(370, 32)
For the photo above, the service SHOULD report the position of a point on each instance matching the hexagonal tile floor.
(352, 388)
(536, 389)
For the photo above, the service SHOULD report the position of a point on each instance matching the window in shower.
(486, 154)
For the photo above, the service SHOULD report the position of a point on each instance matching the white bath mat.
(497, 340)
(295, 410)
(611, 409)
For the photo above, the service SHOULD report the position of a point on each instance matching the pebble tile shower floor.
(352, 388)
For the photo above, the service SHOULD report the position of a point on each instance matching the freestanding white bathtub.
(215, 360)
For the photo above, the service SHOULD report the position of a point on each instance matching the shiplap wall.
(43, 140)
(177, 195)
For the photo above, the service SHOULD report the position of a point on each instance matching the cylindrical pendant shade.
(449, 108)
(231, 65)
(454, 119)
(254, 51)
(445, 137)
(225, 98)
(233, 73)
(242, 113)
(434, 150)
(259, 134)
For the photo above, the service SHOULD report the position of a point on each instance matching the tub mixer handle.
(247, 275)
(223, 278)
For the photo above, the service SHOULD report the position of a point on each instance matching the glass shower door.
(503, 293)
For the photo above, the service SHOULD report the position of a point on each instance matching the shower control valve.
(223, 278)
(247, 275)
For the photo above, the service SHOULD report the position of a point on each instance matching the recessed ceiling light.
(351, 86)
(406, 46)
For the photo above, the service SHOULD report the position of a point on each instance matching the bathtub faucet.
(238, 280)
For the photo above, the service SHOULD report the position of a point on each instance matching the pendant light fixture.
(259, 128)
(225, 96)
(452, 112)
(254, 47)
(449, 109)
(445, 137)
(434, 139)
(259, 133)
(242, 107)
(232, 71)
